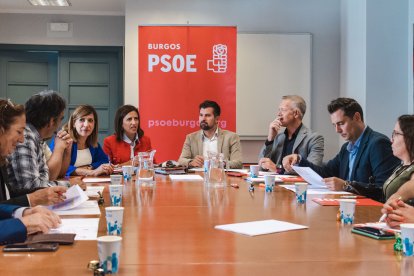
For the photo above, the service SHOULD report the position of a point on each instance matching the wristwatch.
(348, 186)
(299, 158)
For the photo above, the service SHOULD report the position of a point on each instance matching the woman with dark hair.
(15, 221)
(128, 139)
(87, 156)
(402, 147)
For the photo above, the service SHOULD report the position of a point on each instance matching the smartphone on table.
(373, 232)
(33, 247)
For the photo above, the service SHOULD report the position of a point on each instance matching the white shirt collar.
(212, 138)
(127, 140)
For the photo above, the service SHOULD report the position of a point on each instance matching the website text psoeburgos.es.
(180, 123)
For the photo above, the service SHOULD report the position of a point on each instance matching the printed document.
(310, 176)
(74, 197)
(85, 229)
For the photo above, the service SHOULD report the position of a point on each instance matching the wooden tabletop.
(169, 230)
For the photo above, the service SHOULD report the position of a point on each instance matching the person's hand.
(401, 213)
(290, 160)
(40, 210)
(63, 140)
(47, 196)
(390, 203)
(334, 183)
(106, 169)
(267, 163)
(40, 220)
(197, 162)
(274, 127)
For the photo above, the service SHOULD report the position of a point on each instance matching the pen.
(384, 216)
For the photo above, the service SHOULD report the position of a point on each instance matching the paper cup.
(300, 190)
(254, 171)
(347, 210)
(116, 179)
(269, 182)
(115, 192)
(407, 238)
(114, 218)
(127, 172)
(109, 248)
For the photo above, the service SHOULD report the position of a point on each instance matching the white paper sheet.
(74, 197)
(196, 170)
(318, 191)
(310, 176)
(92, 191)
(96, 179)
(260, 227)
(117, 170)
(85, 229)
(263, 173)
(246, 171)
(261, 179)
(182, 177)
(89, 207)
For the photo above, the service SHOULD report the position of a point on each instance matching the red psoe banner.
(180, 67)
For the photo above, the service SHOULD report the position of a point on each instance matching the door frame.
(118, 50)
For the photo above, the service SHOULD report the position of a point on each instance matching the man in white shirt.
(211, 138)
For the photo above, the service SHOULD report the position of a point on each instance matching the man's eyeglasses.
(285, 110)
(395, 133)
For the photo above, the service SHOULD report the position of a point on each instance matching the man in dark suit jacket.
(16, 222)
(363, 164)
(35, 197)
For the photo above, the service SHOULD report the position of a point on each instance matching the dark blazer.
(98, 156)
(20, 200)
(11, 230)
(373, 164)
(307, 144)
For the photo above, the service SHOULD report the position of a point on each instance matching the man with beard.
(212, 139)
(363, 163)
(27, 168)
(288, 135)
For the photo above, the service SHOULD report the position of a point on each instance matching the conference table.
(169, 230)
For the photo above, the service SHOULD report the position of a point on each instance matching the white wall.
(321, 18)
(88, 30)
(376, 58)
(353, 50)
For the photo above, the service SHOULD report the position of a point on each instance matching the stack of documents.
(85, 229)
(76, 203)
(92, 191)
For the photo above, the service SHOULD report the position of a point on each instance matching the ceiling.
(86, 7)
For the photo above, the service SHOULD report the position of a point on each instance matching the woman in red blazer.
(128, 139)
